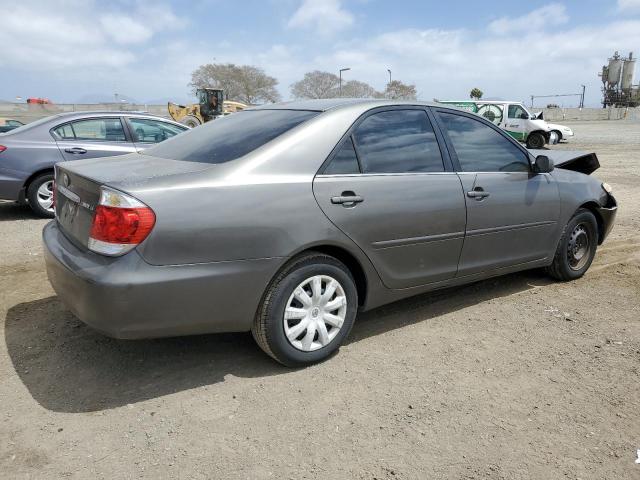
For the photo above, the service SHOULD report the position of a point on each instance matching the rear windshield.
(231, 137)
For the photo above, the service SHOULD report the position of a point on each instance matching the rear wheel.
(307, 311)
(40, 195)
(536, 140)
(577, 247)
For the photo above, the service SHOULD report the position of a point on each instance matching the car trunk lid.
(78, 186)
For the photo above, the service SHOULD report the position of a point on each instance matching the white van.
(514, 118)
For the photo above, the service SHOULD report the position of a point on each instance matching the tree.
(244, 83)
(356, 89)
(396, 90)
(316, 84)
(476, 93)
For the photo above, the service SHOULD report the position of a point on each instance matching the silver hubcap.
(45, 196)
(315, 313)
(578, 249)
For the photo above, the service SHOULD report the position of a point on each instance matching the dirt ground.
(512, 378)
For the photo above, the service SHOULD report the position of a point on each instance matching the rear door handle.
(75, 150)
(347, 198)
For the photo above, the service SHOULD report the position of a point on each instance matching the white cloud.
(324, 16)
(48, 37)
(548, 16)
(629, 5)
(124, 29)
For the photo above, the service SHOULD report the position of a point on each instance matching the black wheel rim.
(579, 247)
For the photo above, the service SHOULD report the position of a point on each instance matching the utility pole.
(342, 70)
(582, 98)
(389, 75)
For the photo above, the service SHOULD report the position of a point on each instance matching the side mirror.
(543, 164)
(524, 116)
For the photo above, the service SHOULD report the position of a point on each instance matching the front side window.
(398, 141)
(345, 160)
(480, 148)
(516, 111)
(101, 129)
(153, 131)
(230, 137)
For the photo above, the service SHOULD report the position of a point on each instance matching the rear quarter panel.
(21, 160)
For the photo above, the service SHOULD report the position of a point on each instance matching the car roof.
(324, 104)
(104, 113)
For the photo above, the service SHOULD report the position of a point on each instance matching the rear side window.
(398, 141)
(100, 129)
(65, 132)
(480, 148)
(231, 137)
(345, 161)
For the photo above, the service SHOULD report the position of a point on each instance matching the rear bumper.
(125, 297)
(11, 184)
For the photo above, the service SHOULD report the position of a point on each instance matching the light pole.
(582, 97)
(389, 75)
(342, 70)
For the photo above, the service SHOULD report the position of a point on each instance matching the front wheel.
(536, 140)
(190, 121)
(40, 195)
(557, 132)
(577, 247)
(307, 311)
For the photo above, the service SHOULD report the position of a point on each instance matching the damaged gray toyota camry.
(286, 220)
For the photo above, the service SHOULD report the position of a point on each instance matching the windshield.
(231, 137)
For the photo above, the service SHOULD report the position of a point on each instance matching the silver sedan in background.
(28, 153)
(288, 219)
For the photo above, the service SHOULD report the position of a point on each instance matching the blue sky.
(67, 50)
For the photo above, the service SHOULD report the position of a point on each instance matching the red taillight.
(2, 148)
(120, 223)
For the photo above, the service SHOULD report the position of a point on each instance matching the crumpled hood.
(578, 161)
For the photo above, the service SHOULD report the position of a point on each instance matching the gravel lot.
(511, 378)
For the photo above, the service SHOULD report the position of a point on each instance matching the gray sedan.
(286, 220)
(28, 153)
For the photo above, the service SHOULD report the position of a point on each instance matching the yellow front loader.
(211, 104)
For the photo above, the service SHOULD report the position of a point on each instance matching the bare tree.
(244, 83)
(356, 89)
(316, 84)
(396, 90)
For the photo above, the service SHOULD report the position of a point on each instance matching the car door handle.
(347, 198)
(477, 193)
(75, 150)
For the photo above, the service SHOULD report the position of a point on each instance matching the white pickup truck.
(514, 118)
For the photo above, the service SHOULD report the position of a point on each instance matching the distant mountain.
(104, 98)
(164, 100)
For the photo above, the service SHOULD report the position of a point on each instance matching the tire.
(190, 121)
(269, 325)
(536, 140)
(557, 132)
(570, 261)
(39, 193)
